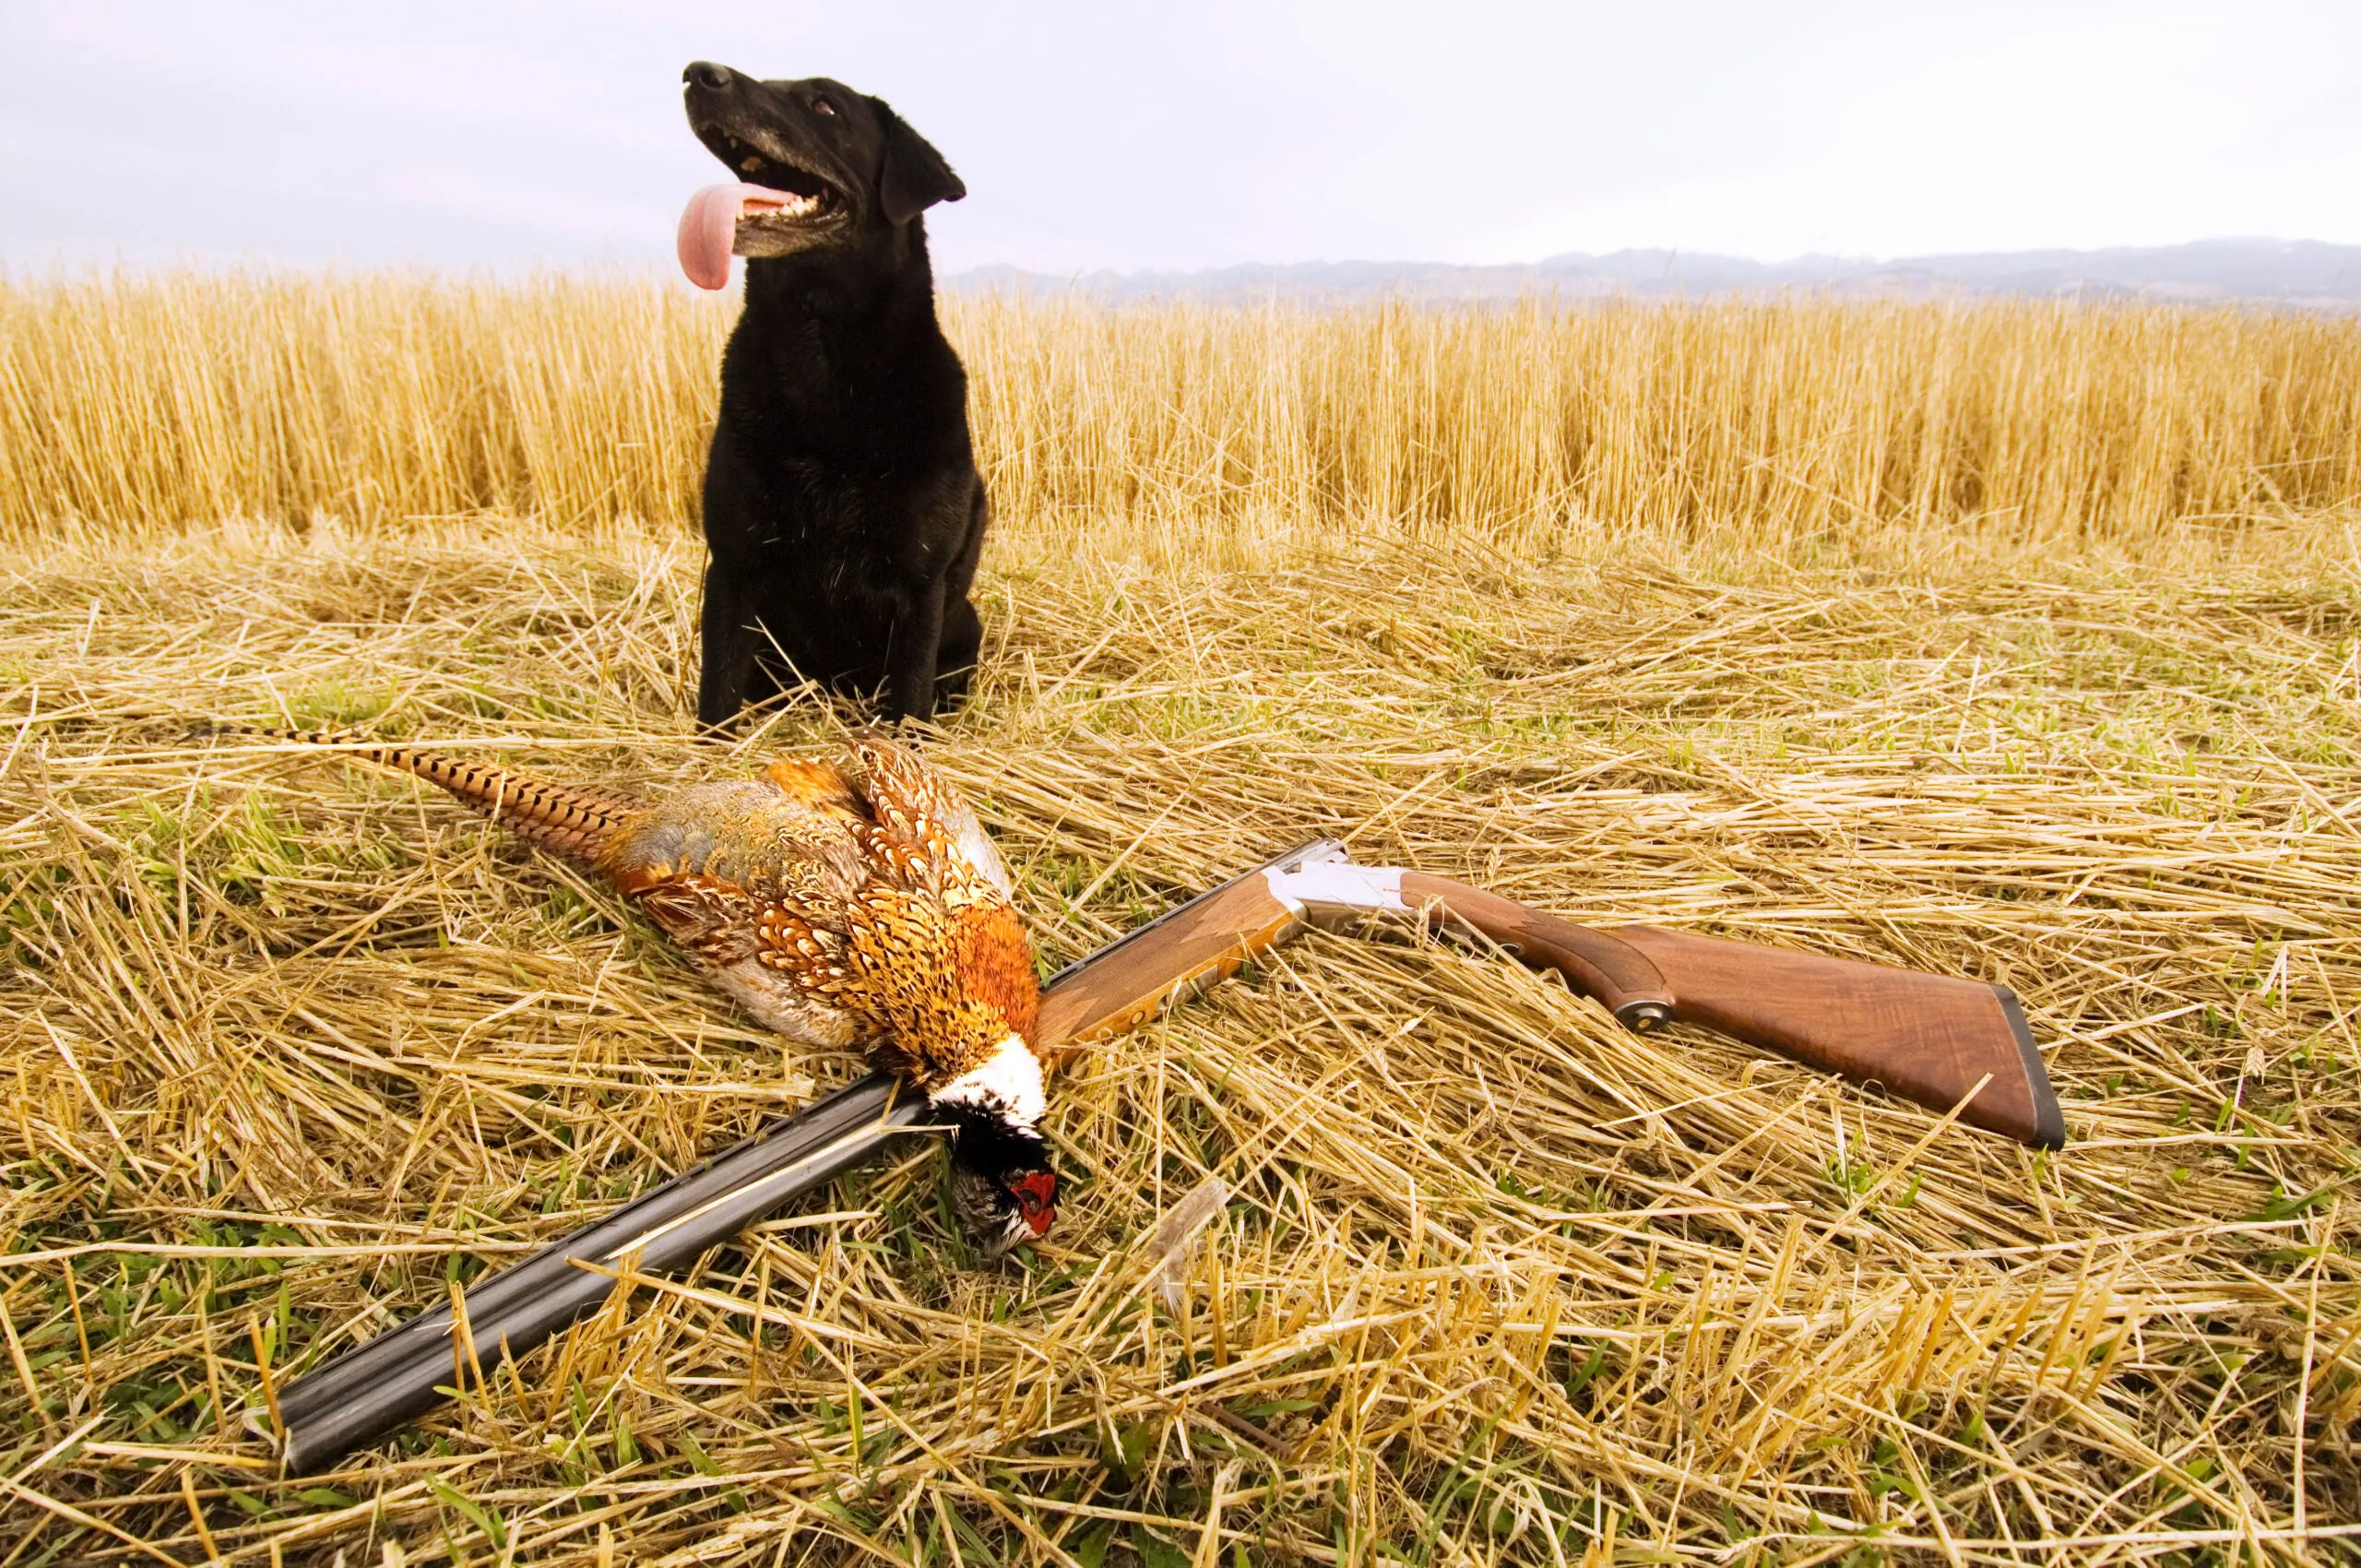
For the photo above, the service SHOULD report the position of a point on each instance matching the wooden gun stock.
(1927, 1038)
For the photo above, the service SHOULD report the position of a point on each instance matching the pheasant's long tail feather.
(563, 817)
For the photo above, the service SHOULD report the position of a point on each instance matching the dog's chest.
(826, 522)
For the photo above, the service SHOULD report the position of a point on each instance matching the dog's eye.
(822, 106)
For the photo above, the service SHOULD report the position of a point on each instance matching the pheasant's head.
(1004, 1189)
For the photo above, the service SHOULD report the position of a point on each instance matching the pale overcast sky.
(495, 134)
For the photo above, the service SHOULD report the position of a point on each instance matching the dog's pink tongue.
(708, 225)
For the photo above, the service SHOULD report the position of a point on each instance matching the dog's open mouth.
(769, 218)
(766, 208)
(800, 191)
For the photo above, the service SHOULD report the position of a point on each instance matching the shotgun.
(1928, 1038)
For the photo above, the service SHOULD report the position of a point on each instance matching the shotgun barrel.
(377, 1388)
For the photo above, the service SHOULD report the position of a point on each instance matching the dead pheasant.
(844, 901)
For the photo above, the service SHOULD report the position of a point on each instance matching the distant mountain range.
(2301, 273)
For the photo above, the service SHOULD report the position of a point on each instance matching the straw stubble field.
(1829, 658)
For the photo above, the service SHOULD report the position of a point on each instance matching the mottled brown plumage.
(851, 900)
(845, 903)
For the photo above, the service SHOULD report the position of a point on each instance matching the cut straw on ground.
(292, 1046)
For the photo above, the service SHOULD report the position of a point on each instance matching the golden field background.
(2015, 641)
(1793, 428)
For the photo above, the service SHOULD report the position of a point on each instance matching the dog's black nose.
(705, 74)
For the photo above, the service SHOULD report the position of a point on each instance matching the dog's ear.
(915, 176)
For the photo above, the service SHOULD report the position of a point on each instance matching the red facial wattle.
(1036, 1196)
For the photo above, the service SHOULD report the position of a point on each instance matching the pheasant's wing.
(785, 969)
(715, 922)
(802, 850)
(928, 828)
(753, 882)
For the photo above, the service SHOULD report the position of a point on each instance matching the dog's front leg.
(728, 637)
(918, 638)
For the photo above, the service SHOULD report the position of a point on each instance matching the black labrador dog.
(842, 506)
